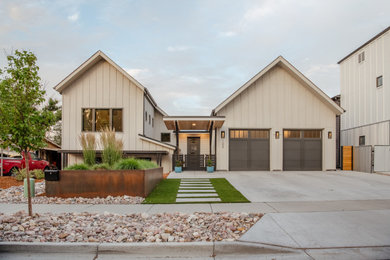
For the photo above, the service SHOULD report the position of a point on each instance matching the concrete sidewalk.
(256, 207)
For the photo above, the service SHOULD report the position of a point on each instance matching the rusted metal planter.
(103, 183)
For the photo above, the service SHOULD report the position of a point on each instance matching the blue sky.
(191, 55)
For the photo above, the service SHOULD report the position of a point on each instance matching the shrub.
(22, 174)
(38, 174)
(128, 164)
(112, 148)
(179, 163)
(88, 143)
(145, 164)
(101, 166)
(81, 166)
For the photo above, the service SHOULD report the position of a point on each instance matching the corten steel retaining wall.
(103, 183)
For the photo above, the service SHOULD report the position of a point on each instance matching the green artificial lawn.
(227, 193)
(166, 191)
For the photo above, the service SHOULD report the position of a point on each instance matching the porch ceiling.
(195, 123)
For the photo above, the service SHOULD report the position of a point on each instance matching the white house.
(278, 120)
(98, 94)
(365, 93)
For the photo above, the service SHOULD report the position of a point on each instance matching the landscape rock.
(109, 227)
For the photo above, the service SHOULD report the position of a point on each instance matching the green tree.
(22, 97)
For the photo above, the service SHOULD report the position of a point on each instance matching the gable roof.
(280, 61)
(365, 44)
(89, 63)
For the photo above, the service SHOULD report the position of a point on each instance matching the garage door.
(248, 150)
(302, 150)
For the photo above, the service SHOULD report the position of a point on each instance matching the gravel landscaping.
(108, 227)
(15, 195)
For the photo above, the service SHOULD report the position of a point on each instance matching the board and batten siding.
(277, 101)
(102, 86)
(365, 104)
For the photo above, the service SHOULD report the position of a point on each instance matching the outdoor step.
(200, 191)
(205, 200)
(185, 182)
(198, 195)
(200, 185)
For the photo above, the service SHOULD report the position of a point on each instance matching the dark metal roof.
(369, 41)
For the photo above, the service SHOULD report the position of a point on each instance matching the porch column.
(210, 137)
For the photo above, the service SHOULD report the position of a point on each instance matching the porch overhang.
(193, 123)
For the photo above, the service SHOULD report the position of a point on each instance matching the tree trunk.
(26, 160)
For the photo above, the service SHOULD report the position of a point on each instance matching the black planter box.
(52, 175)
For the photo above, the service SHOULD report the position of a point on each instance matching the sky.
(191, 55)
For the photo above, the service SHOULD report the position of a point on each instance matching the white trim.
(282, 61)
(211, 118)
(156, 142)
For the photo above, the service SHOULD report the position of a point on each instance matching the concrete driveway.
(303, 186)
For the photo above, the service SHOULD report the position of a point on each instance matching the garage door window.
(312, 134)
(292, 134)
(238, 134)
(259, 134)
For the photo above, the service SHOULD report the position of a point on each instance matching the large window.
(97, 119)
(117, 120)
(102, 119)
(165, 137)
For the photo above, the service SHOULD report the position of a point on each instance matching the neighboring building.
(50, 153)
(278, 120)
(365, 93)
(101, 94)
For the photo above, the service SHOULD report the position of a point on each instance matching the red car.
(16, 163)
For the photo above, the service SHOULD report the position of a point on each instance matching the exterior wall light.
(329, 135)
(276, 134)
(223, 134)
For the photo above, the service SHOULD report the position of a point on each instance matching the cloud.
(227, 34)
(74, 17)
(321, 69)
(178, 48)
(136, 72)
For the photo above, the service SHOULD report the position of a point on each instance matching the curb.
(167, 249)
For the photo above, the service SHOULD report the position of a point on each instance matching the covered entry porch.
(195, 139)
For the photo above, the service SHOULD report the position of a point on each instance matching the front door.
(193, 160)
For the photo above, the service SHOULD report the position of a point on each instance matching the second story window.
(149, 119)
(379, 81)
(361, 57)
(362, 140)
(146, 116)
(97, 119)
(165, 137)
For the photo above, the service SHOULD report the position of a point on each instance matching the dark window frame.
(146, 116)
(166, 134)
(379, 78)
(93, 111)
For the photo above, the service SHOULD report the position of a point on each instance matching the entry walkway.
(196, 191)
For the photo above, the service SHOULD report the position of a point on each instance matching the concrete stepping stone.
(198, 200)
(200, 191)
(181, 195)
(200, 185)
